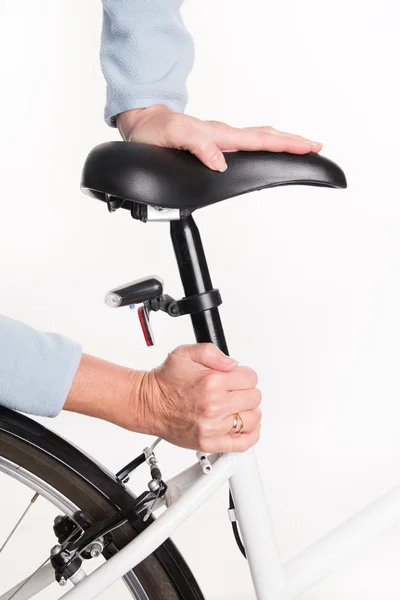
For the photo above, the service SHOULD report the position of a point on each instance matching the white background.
(309, 276)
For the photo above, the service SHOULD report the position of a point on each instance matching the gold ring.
(237, 426)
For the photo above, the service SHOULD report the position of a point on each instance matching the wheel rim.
(62, 503)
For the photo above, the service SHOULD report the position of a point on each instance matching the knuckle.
(250, 377)
(215, 123)
(267, 129)
(204, 430)
(197, 435)
(208, 350)
(181, 350)
(253, 378)
(258, 397)
(169, 359)
(210, 383)
(200, 431)
(219, 124)
(203, 437)
(210, 410)
(254, 421)
(178, 350)
(205, 146)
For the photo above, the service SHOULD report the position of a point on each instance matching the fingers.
(316, 146)
(273, 131)
(216, 418)
(194, 139)
(251, 421)
(238, 401)
(225, 393)
(231, 443)
(260, 138)
(214, 428)
(208, 355)
(206, 139)
(194, 395)
(242, 378)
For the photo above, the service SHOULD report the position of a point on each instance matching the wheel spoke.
(18, 523)
(44, 576)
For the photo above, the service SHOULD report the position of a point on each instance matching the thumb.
(204, 147)
(208, 355)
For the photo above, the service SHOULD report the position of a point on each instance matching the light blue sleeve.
(36, 369)
(146, 55)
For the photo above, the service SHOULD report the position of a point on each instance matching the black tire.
(163, 575)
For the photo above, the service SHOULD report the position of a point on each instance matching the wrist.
(105, 390)
(142, 402)
(127, 120)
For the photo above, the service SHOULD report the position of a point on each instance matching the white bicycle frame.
(272, 580)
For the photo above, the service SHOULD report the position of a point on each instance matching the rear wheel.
(57, 471)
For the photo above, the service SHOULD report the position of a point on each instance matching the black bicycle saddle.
(168, 178)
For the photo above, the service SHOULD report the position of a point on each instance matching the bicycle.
(100, 516)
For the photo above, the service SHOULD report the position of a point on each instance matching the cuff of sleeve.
(70, 372)
(112, 110)
(36, 368)
(53, 375)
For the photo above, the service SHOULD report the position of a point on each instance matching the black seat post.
(196, 279)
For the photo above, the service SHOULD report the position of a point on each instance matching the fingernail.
(219, 162)
(228, 360)
(316, 145)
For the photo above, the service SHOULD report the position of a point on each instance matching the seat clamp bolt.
(62, 581)
(174, 309)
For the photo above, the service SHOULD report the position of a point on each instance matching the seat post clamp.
(190, 305)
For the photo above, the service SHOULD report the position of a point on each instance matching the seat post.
(196, 279)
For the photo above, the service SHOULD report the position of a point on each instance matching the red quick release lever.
(144, 318)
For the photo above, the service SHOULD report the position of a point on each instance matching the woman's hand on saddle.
(207, 140)
(191, 398)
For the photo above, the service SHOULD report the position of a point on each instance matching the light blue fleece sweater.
(146, 56)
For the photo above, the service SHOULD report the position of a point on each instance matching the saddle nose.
(175, 179)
